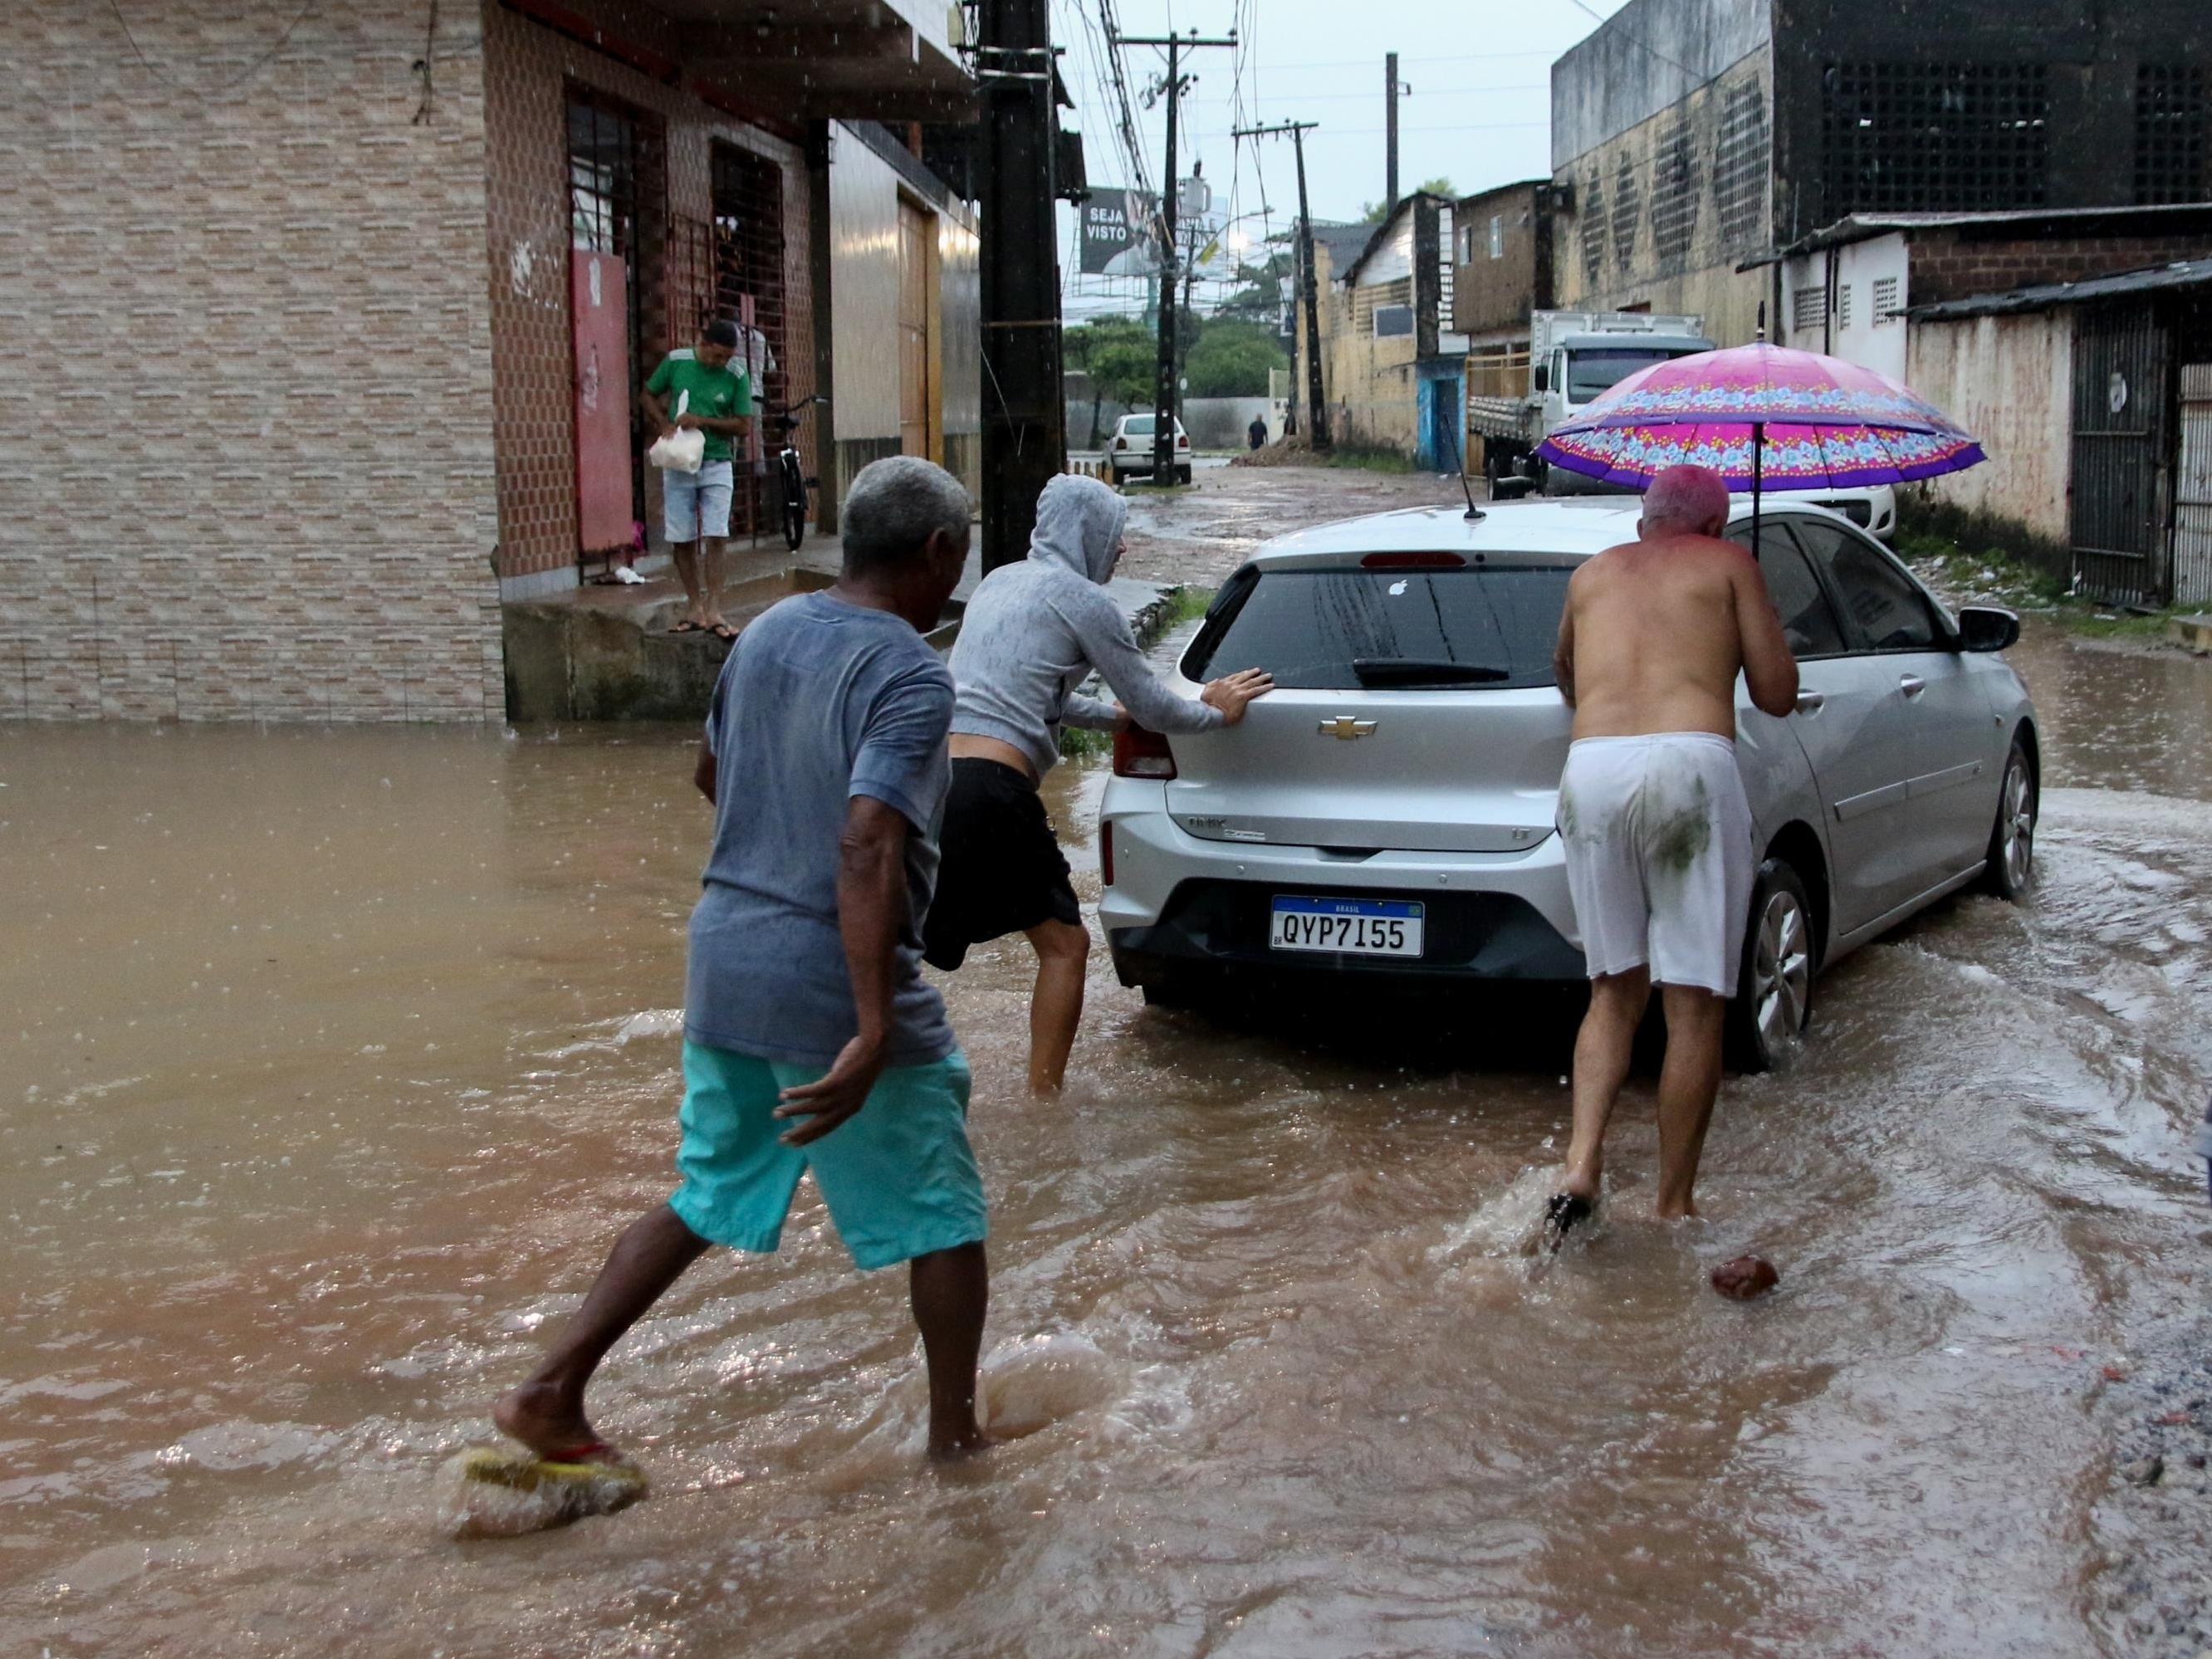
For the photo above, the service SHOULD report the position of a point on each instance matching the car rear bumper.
(1225, 924)
(1180, 903)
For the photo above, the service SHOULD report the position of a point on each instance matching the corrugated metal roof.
(1861, 227)
(2182, 273)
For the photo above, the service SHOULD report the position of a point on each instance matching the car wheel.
(2012, 838)
(1774, 1003)
(1183, 475)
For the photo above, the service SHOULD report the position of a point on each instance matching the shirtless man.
(1652, 813)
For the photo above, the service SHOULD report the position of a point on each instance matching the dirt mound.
(1293, 451)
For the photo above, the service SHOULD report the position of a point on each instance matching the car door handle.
(1912, 684)
(1811, 703)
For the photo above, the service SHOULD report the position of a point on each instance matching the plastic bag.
(683, 450)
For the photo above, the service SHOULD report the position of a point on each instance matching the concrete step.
(2194, 633)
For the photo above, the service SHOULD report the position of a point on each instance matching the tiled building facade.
(288, 380)
(243, 465)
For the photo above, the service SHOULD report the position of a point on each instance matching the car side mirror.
(1987, 628)
(1541, 377)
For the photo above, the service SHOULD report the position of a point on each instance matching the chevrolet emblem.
(1347, 728)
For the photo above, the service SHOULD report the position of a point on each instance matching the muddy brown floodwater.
(334, 1059)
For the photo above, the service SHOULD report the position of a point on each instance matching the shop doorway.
(919, 422)
(614, 195)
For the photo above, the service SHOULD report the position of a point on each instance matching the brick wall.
(527, 70)
(246, 457)
(1946, 266)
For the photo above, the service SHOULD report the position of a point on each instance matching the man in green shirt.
(715, 396)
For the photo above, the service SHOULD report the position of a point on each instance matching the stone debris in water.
(1744, 1278)
(490, 1491)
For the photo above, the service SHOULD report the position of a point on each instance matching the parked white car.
(1402, 780)
(1872, 507)
(1129, 451)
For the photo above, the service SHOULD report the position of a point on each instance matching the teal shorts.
(899, 1175)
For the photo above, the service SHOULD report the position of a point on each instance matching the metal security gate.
(2119, 515)
(2192, 490)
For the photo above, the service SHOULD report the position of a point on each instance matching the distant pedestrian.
(1653, 819)
(717, 396)
(810, 1039)
(1034, 631)
(1256, 434)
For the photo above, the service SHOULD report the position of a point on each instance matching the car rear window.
(1138, 426)
(1489, 628)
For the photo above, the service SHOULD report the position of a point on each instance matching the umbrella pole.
(1758, 437)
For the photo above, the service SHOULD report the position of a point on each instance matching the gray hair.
(895, 505)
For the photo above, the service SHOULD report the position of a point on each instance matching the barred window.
(1593, 228)
(1627, 214)
(2173, 133)
(1938, 137)
(1740, 151)
(1809, 307)
(1496, 235)
(1884, 301)
(1843, 305)
(1673, 192)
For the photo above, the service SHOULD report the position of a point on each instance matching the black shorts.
(1001, 869)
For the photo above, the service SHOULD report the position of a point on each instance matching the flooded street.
(336, 1057)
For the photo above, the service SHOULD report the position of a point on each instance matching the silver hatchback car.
(1389, 810)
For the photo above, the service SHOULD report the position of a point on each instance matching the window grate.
(1593, 228)
(1884, 301)
(603, 176)
(1675, 193)
(1842, 304)
(1809, 307)
(750, 290)
(2173, 133)
(1627, 214)
(1740, 150)
(1935, 137)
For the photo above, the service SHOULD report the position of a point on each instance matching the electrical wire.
(1634, 39)
(231, 85)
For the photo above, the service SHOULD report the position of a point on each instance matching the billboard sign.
(1118, 233)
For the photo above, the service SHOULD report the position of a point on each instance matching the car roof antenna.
(1474, 515)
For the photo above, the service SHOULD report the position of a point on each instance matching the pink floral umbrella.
(1758, 415)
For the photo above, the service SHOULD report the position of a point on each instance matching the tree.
(1437, 187)
(1231, 359)
(1119, 354)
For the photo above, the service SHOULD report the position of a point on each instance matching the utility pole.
(1316, 410)
(1390, 135)
(1164, 391)
(1024, 419)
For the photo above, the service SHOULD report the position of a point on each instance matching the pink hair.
(1685, 498)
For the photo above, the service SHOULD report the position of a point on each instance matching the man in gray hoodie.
(1033, 632)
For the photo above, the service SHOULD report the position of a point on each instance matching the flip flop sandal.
(687, 626)
(723, 632)
(1564, 1212)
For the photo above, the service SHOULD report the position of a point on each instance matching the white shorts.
(1658, 835)
(695, 504)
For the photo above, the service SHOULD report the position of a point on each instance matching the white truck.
(1573, 355)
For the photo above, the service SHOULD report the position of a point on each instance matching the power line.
(231, 85)
(1634, 39)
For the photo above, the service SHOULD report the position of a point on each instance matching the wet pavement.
(335, 1059)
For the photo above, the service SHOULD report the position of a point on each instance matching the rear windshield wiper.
(1413, 670)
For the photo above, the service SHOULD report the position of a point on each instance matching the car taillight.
(1141, 754)
(1183, 440)
(1106, 854)
(1121, 443)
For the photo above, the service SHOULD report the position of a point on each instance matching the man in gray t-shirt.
(812, 1040)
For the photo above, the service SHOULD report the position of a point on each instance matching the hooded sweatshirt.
(1034, 631)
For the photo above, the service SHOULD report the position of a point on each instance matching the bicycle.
(791, 471)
